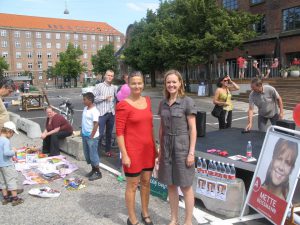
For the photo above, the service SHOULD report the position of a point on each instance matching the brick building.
(278, 31)
(33, 44)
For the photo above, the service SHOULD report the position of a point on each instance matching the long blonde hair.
(180, 90)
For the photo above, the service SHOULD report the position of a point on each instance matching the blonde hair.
(181, 88)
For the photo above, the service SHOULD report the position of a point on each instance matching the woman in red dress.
(134, 128)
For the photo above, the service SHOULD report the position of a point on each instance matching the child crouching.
(8, 173)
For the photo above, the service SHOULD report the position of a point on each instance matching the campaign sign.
(276, 176)
(158, 189)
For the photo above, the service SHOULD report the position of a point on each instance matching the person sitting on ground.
(57, 127)
(90, 135)
(8, 173)
(223, 98)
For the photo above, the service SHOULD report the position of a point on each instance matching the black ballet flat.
(129, 222)
(144, 220)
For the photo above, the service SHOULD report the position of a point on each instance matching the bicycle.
(65, 108)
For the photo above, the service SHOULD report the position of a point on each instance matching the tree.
(187, 32)
(3, 66)
(69, 64)
(105, 60)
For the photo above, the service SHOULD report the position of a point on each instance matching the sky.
(117, 13)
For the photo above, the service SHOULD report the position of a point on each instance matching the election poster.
(275, 177)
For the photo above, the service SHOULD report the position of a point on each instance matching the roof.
(55, 24)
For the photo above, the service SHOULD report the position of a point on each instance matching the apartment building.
(32, 44)
(278, 32)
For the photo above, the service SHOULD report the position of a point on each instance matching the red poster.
(267, 203)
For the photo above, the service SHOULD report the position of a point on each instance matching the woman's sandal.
(129, 222)
(145, 218)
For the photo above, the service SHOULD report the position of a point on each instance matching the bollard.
(201, 123)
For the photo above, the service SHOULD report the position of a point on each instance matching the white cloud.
(139, 7)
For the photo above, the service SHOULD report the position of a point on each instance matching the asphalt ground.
(99, 203)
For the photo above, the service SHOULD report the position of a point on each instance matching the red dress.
(136, 127)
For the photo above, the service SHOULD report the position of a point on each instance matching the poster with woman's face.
(276, 176)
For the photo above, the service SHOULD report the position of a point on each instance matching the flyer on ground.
(276, 177)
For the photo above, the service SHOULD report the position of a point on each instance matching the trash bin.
(201, 123)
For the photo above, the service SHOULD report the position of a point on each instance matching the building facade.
(278, 32)
(31, 45)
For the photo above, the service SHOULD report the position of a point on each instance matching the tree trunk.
(75, 82)
(187, 79)
(153, 80)
(209, 79)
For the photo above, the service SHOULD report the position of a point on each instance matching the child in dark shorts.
(8, 173)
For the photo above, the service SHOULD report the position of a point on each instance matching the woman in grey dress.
(177, 135)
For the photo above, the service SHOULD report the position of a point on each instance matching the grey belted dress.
(175, 142)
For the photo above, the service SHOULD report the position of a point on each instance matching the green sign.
(158, 189)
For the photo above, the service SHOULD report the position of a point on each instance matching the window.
(4, 54)
(118, 39)
(48, 35)
(19, 65)
(3, 33)
(57, 36)
(84, 46)
(291, 18)
(38, 35)
(38, 45)
(48, 45)
(4, 44)
(28, 44)
(58, 45)
(75, 36)
(107, 38)
(17, 34)
(100, 46)
(40, 64)
(93, 37)
(84, 37)
(17, 44)
(256, 1)
(85, 55)
(28, 34)
(75, 45)
(29, 65)
(260, 26)
(49, 64)
(40, 75)
(18, 55)
(29, 55)
(67, 44)
(39, 55)
(230, 4)
(57, 54)
(67, 36)
(93, 46)
(101, 38)
(49, 55)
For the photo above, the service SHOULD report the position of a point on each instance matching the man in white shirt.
(105, 93)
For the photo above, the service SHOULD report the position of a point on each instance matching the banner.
(275, 177)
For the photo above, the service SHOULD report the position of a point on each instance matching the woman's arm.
(193, 137)
(125, 158)
(234, 86)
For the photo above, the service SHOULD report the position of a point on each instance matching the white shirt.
(89, 116)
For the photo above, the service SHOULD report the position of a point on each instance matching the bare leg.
(174, 202)
(145, 193)
(4, 192)
(189, 204)
(14, 193)
(131, 186)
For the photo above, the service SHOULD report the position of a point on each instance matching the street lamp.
(66, 9)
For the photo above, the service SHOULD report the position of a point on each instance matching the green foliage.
(3, 66)
(105, 60)
(69, 65)
(186, 32)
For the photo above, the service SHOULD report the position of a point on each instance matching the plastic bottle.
(210, 168)
(223, 171)
(227, 172)
(232, 173)
(214, 169)
(249, 150)
(219, 173)
(204, 167)
(199, 166)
